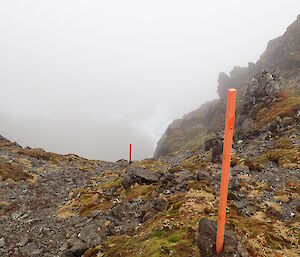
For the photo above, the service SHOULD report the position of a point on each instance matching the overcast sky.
(90, 77)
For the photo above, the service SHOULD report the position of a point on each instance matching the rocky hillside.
(64, 205)
(278, 69)
(68, 206)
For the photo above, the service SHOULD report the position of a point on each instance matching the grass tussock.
(287, 103)
(195, 163)
(283, 157)
(13, 172)
(145, 192)
(88, 202)
(40, 154)
(112, 184)
(253, 165)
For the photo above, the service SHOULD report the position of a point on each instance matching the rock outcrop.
(282, 53)
(261, 91)
(258, 86)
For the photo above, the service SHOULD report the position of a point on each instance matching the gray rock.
(24, 241)
(64, 247)
(206, 241)
(200, 175)
(183, 176)
(160, 203)
(273, 88)
(139, 175)
(246, 126)
(119, 211)
(36, 252)
(91, 234)
(16, 215)
(2, 242)
(217, 148)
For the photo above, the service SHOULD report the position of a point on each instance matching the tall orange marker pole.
(228, 135)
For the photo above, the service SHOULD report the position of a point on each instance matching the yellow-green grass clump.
(287, 103)
(40, 154)
(284, 153)
(12, 171)
(145, 192)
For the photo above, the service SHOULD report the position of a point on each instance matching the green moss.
(173, 239)
(275, 245)
(159, 233)
(177, 205)
(172, 212)
(114, 183)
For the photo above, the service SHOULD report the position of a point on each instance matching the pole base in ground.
(207, 231)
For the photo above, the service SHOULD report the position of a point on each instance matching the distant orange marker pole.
(228, 135)
(130, 148)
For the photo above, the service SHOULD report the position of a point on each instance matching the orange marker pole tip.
(228, 135)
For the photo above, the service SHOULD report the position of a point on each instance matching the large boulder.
(216, 144)
(140, 176)
(206, 241)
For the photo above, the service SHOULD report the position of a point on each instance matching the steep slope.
(282, 57)
(70, 206)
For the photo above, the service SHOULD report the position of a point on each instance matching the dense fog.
(90, 77)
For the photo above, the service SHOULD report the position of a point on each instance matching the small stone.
(96, 213)
(16, 215)
(201, 175)
(24, 241)
(161, 203)
(63, 247)
(2, 242)
(36, 252)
